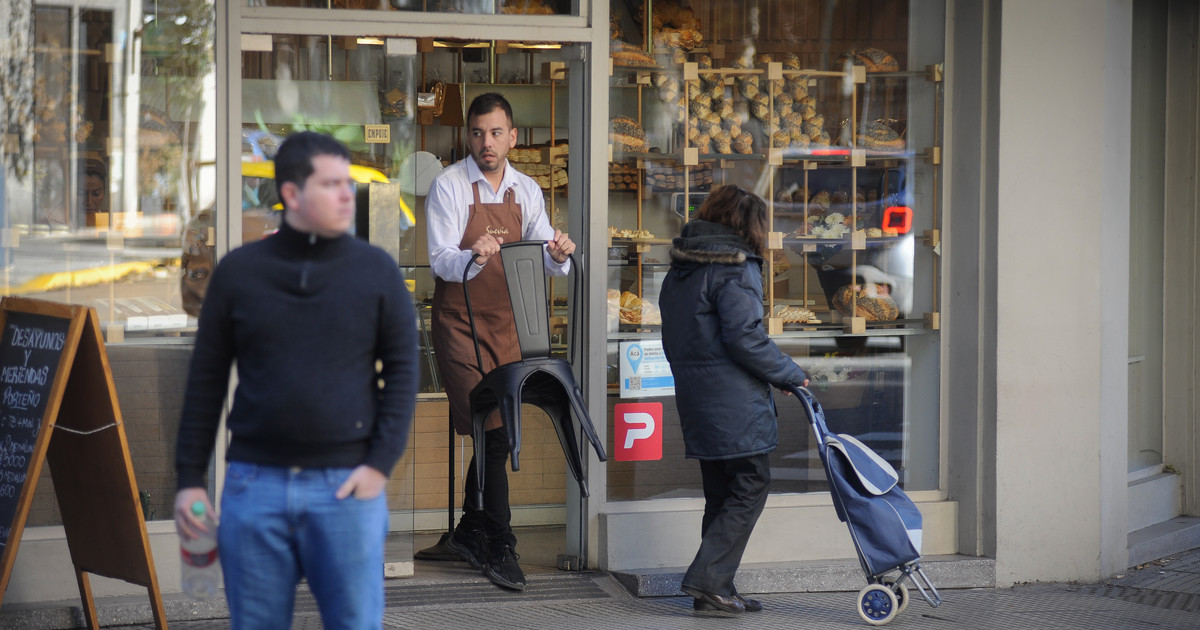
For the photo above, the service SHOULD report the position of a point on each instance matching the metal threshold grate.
(542, 587)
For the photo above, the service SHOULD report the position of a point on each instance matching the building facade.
(1008, 190)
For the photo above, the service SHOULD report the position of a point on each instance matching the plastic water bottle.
(199, 561)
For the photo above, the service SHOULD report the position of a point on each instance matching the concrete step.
(1154, 499)
(1163, 539)
(952, 571)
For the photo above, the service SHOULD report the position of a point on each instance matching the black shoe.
(469, 546)
(502, 568)
(706, 601)
(751, 605)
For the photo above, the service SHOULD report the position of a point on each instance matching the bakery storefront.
(137, 150)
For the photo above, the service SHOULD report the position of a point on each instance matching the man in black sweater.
(306, 315)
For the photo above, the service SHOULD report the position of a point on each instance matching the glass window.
(508, 7)
(367, 92)
(108, 153)
(117, 159)
(832, 114)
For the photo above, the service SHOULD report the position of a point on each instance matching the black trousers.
(735, 491)
(494, 516)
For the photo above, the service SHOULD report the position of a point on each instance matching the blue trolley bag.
(885, 525)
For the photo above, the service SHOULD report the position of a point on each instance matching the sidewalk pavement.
(1162, 594)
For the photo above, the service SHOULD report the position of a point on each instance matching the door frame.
(235, 21)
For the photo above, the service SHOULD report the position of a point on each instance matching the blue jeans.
(279, 525)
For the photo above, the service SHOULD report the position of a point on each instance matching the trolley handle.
(816, 414)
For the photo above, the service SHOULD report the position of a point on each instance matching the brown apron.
(452, 345)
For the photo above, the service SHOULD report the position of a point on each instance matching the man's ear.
(290, 194)
(512, 137)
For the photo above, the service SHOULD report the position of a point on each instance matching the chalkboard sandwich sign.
(58, 405)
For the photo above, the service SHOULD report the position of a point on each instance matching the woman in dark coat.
(724, 365)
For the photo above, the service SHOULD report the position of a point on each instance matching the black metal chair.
(538, 378)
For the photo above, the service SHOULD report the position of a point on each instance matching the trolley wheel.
(877, 604)
(900, 591)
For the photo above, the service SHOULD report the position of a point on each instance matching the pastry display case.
(833, 116)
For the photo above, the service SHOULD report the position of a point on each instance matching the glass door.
(533, 77)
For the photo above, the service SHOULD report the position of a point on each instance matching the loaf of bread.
(877, 136)
(628, 55)
(634, 310)
(672, 25)
(744, 142)
(722, 142)
(873, 59)
(759, 107)
(799, 92)
(820, 202)
(866, 301)
(626, 134)
(748, 88)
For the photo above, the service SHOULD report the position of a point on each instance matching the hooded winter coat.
(723, 362)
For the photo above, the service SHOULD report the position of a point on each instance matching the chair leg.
(585, 421)
(570, 447)
(565, 428)
(510, 416)
(477, 440)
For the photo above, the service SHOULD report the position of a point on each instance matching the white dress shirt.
(447, 210)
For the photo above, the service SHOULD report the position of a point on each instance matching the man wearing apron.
(473, 206)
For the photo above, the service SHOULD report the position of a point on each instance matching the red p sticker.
(637, 432)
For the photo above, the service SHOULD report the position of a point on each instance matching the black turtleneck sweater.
(305, 319)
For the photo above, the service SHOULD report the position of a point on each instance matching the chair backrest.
(525, 272)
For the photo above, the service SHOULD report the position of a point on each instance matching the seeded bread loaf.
(626, 134)
(866, 301)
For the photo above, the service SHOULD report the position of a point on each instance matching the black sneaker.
(502, 568)
(469, 546)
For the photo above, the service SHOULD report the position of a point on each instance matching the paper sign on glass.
(645, 372)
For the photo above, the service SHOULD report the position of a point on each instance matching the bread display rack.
(715, 111)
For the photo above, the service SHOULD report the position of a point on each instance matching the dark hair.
(94, 167)
(485, 103)
(293, 161)
(741, 210)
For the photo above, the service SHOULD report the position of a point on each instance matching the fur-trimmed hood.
(706, 243)
(721, 256)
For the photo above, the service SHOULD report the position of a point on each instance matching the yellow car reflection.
(360, 174)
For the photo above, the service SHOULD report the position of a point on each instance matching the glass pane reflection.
(510, 7)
